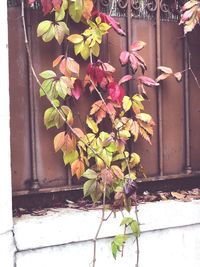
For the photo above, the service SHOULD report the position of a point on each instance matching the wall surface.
(170, 237)
(7, 247)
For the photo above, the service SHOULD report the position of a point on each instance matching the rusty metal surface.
(194, 96)
(33, 155)
(19, 103)
(173, 100)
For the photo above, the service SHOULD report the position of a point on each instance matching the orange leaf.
(59, 141)
(88, 7)
(101, 113)
(111, 110)
(73, 66)
(57, 60)
(69, 144)
(77, 168)
(79, 132)
(96, 106)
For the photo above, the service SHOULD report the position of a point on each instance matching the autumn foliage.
(102, 157)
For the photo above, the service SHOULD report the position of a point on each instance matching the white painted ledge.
(64, 226)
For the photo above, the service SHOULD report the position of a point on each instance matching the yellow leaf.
(92, 125)
(75, 38)
(117, 171)
(126, 103)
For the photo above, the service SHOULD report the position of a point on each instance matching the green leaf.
(70, 157)
(89, 187)
(121, 156)
(118, 243)
(90, 174)
(46, 87)
(127, 103)
(60, 14)
(95, 49)
(126, 221)
(43, 27)
(85, 52)
(49, 35)
(76, 10)
(114, 250)
(47, 74)
(49, 117)
(56, 102)
(135, 228)
(78, 48)
(62, 89)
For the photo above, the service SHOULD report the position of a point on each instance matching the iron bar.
(159, 95)
(188, 168)
(79, 187)
(35, 182)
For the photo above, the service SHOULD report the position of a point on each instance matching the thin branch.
(99, 228)
(39, 83)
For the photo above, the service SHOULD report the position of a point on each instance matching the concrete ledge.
(65, 226)
(174, 247)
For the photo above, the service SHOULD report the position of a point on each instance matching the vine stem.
(39, 83)
(129, 171)
(99, 228)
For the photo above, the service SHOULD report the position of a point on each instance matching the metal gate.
(175, 107)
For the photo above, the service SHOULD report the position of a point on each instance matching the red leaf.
(116, 92)
(78, 88)
(46, 6)
(57, 4)
(95, 72)
(134, 62)
(30, 2)
(124, 56)
(125, 79)
(147, 81)
(109, 20)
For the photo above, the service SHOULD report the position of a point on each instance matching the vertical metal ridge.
(188, 168)
(35, 182)
(159, 95)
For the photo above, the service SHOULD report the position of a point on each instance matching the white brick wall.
(170, 237)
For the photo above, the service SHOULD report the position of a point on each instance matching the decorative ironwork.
(140, 9)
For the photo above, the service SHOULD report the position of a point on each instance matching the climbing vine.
(102, 157)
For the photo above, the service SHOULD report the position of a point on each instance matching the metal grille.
(141, 9)
(176, 146)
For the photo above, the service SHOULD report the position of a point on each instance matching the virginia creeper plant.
(102, 157)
